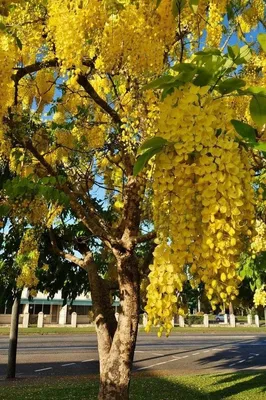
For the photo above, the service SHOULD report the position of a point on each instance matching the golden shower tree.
(139, 120)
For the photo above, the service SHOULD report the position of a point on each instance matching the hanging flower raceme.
(27, 259)
(260, 297)
(203, 202)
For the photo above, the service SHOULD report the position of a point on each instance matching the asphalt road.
(186, 354)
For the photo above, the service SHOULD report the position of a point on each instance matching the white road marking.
(157, 354)
(66, 365)
(254, 354)
(139, 351)
(92, 359)
(43, 369)
(249, 358)
(238, 362)
(206, 351)
(195, 354)
(160, 363)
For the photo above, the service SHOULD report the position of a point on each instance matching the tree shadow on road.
(238, 357)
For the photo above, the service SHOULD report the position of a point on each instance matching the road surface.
(59, 355)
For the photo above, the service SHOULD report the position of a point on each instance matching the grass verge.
(237, 386)
(91, 329)
(49, 331)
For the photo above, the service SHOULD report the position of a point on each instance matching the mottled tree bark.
(116, 362)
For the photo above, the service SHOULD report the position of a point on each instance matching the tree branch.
(29, 69)
(61, 253)
(145, 238)
(83, 81)
(89, 217)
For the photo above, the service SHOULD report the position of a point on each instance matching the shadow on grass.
(237, 386)
(241, 383)
(158, 388)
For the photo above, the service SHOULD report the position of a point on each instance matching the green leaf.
(262, 41)
(244, 130)
(255, 90)
(203, 78)
(167, 91)
(186, 71)
(152, 143)
(19, 43)
(244, 55)
(184, 67)
(194, 5)
(186, 76)
(2, 26)
(177, 7)
(159, 83)
(143, 159)
(257, 108)
(212, 51)
(260, 146)
(230, 12)
(230, 84)
(233, 51)
(4, 210)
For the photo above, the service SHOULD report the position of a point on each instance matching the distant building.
(53, 309)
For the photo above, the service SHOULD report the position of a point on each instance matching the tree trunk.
(115, 370)
(116, 362)
(13, 339)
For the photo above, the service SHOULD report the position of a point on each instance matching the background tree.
(89, 86)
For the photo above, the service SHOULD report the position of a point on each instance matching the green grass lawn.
(90, 329)
(237, 386)
(49, 330)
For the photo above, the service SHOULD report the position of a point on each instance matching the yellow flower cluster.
(90, 137)
(34, 211)
(74, 27)
(251, 16)
(54, 211)
(5, 145)
(260, 297)
(45, 86)
(27, 92)
(64, 146)
(7, 62)
(259, 240)
(136, 38)
(217, 9)
(203, 202)
(27, 258)
(27, 22)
